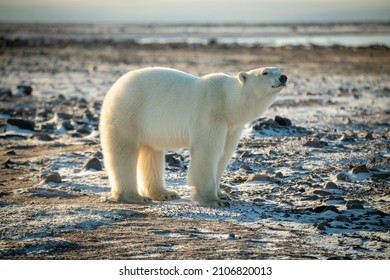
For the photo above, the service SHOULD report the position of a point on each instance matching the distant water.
(347, 34)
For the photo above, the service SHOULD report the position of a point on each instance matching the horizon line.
(263, 23)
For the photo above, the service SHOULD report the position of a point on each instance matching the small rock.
(172, 161)
(245, 154)
(311, 197)
(22, 124)
(5, 92)
(93, 163)
(272, 152)
(24, 90)
(98, 155)
(279, 175)
(67, 125)
(43, 137)
(321, 193)
(83, 129)
(44, 114)
(331, 136)
(267, 124)
(63, 116)
(246, 167)
(342, 218)
(283, 121)
(330, 185)
(362, 168)
(11, 153)
(260, 177)
(54, 177)
(339, 258)
(378, 212)
(324, 208)
(239, 179)
(231, 236)
(315, 144)
(381, 175)
(354, 204)
(322, 225)
(335, 199)
(349, 138)
(342, 177)
(90, 116)
(369, 136)
(47, 127)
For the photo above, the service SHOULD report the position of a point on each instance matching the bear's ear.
(243, 76)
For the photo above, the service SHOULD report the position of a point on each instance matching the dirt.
(305, 199)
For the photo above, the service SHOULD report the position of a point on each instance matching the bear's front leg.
(232, 138)
(202, 173)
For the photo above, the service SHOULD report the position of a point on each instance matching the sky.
(193, 11)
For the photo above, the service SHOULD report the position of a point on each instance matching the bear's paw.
(168, 195)
(133, 199)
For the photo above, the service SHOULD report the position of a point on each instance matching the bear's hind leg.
(121, 165)
(151, 175)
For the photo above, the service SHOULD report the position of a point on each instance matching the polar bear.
(151, 110)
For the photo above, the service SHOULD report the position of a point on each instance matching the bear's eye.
(265, 73)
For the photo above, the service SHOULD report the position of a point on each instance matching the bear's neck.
(244, 108)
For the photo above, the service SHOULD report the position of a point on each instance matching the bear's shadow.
(269, 212)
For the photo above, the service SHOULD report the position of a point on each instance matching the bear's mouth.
(279, 85)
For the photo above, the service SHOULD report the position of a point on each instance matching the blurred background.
(246, 22)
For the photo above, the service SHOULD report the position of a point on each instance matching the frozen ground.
(317, 188)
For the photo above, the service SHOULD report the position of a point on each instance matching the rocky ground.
(309, 180)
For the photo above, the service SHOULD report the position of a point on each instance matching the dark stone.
(315, 144)
(369, 136)
(382, 175)
(321, 193)
(260, 177)
(354, 205)
(342, 177)
(11, 153)
(349, 137)
(26, 90)
(43, 137)
(98, 155)
(47, 127)
(279, 175)
(267, 124)
(93, 163)
(283, 121)
(362, 168)
(324, 208)
(342, 218)
(22, 124)
(338, 258)
(330, 185)
(67, 125)
(172, 161)
(83, 129)
(90, 116)
(54, 177)
(231, 236)
(5, 92)
(322, 225)
(64, 116)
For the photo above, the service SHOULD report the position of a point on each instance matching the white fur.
(154, 109)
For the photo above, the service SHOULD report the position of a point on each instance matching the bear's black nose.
(283, 79)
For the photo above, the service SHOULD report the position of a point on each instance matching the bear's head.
(267, 80)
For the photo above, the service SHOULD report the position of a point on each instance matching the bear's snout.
(283, 79)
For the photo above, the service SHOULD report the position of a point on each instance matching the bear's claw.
(134, 200)
(215, 203)
(169, 195)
